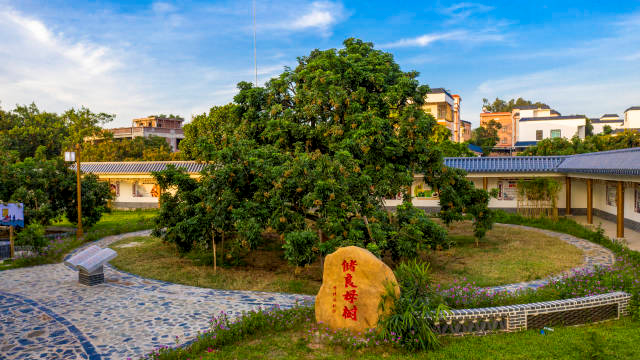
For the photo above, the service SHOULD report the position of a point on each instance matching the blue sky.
(144, 57)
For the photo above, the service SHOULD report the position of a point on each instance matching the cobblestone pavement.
(594, 254)
(46, 314)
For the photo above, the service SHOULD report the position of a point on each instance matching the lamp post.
(72, 156)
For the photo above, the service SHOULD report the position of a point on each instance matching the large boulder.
(353, 282)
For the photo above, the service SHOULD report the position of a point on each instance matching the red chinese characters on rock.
(350, 296)
(335, 293)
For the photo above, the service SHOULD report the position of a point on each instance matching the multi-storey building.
(445, 108)
(168, 128)
(506, 132)
(465, 130)
(611, 120)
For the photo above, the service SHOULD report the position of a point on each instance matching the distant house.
(613, 120)
(632, 118)
(169, 128)
(465, 130)
(540, 128)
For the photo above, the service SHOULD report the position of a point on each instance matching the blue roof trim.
(475, 148)
(525, 143)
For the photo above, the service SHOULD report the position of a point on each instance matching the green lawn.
(609, 340)
(116, 222)
(507, 255)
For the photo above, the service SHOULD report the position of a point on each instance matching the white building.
(539, 128)
(632, 118)
(612, 120)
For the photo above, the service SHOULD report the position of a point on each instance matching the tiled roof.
(619, 162)
(605, 121)
(555, 112)
(503, 164)
(439, 91)
(137, 167)
(633, 108)
(609, 116)
(569, 117)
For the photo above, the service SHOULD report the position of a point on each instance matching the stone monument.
(353, 282)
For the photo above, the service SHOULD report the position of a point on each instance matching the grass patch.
(116, 222)
(609, 340)
(153, 258)
(508, 255)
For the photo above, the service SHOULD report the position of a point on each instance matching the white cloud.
(319, 16)
(162, 7)
(461, 11)
(469, 36)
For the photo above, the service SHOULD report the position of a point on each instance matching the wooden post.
(589, 201)
(620, 203)
(11, 251)
(485, 183)
(79, 232)
(567, 188)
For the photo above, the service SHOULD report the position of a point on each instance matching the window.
(442, 112)
(507, 189)
(555, 133)
(503, 140)
(538, 135)
(637, 199)
(611, 194)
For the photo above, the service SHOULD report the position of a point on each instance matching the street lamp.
(71, 156)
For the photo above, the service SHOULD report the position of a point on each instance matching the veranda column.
(589, 201)
(620, 203)
(485, 183)
(567, 188)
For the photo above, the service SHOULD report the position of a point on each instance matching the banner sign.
(12, 214)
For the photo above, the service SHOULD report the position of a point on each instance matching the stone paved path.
(46, 314)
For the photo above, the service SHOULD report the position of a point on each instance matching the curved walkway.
(46, 314)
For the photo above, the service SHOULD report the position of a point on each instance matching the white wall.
(598, 128)
(568, 128)
(126, 193)
(632, 119)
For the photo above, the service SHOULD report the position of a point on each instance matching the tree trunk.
(366, 222)
(321, 258)
(215, 258)
(222, 248)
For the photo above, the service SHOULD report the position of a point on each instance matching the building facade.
(604, 184)
(445, 108)
(168, 128)
(540, 128)
(507, 132)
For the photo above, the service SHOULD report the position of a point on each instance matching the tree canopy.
(152, 148)
(499, 105)
(486, 136)
(600, 142)
(311, 156)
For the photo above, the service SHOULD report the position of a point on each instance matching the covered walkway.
(631, 237)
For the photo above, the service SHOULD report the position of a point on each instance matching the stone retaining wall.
(536, 315)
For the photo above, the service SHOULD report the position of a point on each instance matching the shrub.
(33, 236)
(413, 313)
(299, 247)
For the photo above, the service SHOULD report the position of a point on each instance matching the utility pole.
(79, 231)
(255, 52)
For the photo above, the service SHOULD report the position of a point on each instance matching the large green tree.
(312, 156)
